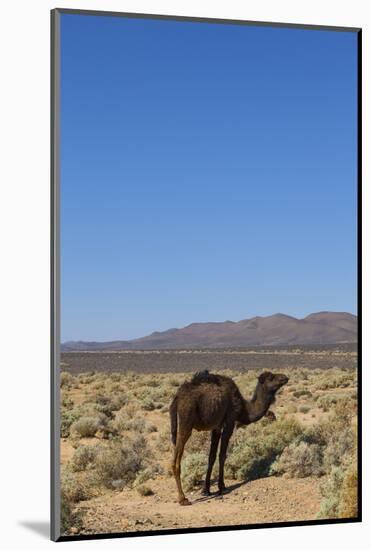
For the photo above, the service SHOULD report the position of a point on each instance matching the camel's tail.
(173, 420)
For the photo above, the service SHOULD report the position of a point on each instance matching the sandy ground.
(264, 500)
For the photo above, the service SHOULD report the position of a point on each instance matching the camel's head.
(272, 382)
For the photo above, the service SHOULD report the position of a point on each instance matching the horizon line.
(107, 340)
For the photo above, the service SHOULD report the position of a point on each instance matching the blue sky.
(208, 172)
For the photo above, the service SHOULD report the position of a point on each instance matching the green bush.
(70, 416)
(84, 456)
(66, 380)
(118, 465)
(302, 393)
(198, 442)
(66, 402)
(299, 459)
(148, 404)
(348, 507)
(144, 490)
(336, 435)
(70, 519)
(339, 438)
(174, 382)
(153, 398)
(163, 443)
(340, 444)
(73, 487)
(108, 403)
(336, 380)
(153, 382)
(87, 426)
(125, 422)
(330, 491)
(256, 448)
(150, 427)
(67, 419)
(193, 469)
(328, 401)
(148, 473)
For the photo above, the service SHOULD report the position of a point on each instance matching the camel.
(212, 402)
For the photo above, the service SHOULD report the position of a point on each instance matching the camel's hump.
(205, 376)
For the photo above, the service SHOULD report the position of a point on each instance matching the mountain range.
(317, 328)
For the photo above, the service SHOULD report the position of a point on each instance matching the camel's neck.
(259, 404)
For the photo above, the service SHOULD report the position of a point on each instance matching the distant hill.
(324, 327)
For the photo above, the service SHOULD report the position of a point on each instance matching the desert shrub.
(67, 419)
(340, 444)
(348, 507)
(66, 402)
(198, 442)
(339, 490)
(70, 518)
(302, 393)
(153, 398)
(304, 409)
(336, 380)
(299, 459)
(193, 469)
(124, 422)
(336, 435)
(116, 377)
(137, 425)
(173, 381)
(108, 403)
(328, 401)
(98, 385)
(144, 490)
(148, 404)
(116, 387)
(150, 427)
(163, 443)
(153, 381)
(86, 426)
(66, 516)
(291, 408)
(131, 409)
(70, 416)
(148, 473)
(73, 487)
(117, 465)
(256, 448)
(86, 378)
(330, 491)
(66, 380)
(84, 456)
(121, 421)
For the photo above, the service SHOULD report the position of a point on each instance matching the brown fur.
(214, 403)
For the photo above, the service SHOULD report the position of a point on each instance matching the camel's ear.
(264, 376)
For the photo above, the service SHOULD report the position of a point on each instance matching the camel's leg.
(215, 436)
(181, 440)
(226, 435)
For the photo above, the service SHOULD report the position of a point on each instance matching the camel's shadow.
(215, 495)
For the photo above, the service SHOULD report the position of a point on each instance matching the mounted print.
(205, 274)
